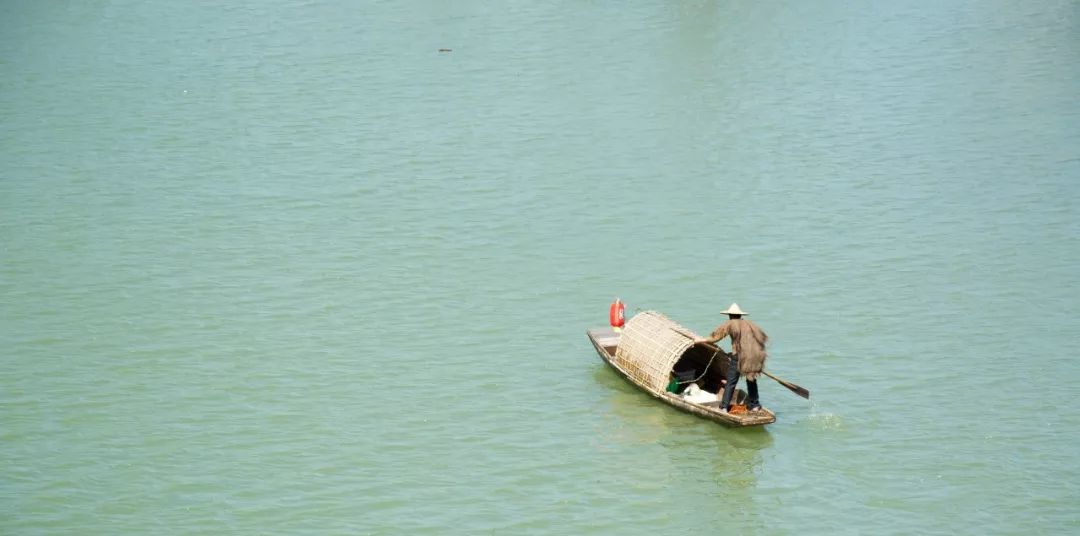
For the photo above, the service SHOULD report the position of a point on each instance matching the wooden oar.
(801, 391)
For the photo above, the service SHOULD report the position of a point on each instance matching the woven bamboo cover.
(649, 347)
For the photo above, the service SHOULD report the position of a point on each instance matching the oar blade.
(801, 391)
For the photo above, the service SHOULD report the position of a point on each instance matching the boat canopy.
(649, 347)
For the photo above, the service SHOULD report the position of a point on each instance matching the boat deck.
(606, 338)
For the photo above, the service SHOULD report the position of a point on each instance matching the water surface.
(281, 267)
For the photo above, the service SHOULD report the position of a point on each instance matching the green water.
(284, 267)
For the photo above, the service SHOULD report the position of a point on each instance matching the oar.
(801, 391)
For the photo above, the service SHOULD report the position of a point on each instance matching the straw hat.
(734, 310)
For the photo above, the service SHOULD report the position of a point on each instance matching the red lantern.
(615, 314)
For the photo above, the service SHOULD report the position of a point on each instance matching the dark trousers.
(752, 401)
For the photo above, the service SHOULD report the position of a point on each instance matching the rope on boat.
(704, 371)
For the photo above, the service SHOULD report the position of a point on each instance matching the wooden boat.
(656, 354)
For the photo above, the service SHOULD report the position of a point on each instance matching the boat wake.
(826, 421)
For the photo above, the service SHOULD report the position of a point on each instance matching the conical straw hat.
(734, 310)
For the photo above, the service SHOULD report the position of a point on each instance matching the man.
(747, 355)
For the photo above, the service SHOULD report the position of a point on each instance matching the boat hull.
(605, 340)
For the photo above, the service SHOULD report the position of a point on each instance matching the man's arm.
(717, 334)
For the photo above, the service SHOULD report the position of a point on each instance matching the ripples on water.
(285, 267)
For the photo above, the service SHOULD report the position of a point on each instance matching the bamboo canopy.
(649, 347)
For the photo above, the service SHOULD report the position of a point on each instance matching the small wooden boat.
(659, 356)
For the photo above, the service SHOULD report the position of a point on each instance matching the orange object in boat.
(615, 314)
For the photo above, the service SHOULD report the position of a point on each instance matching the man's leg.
(752, 401)
(732, 379)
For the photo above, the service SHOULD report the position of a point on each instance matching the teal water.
(283, 267)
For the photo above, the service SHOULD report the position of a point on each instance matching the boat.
(660, 357)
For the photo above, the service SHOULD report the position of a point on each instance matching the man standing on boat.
(747, 354)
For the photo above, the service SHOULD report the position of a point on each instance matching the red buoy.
(615, 314)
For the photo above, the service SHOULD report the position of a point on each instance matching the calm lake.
(278, 267)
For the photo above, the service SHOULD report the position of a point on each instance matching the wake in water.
(824, 420)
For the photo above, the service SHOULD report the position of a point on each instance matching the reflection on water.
(681, 449)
